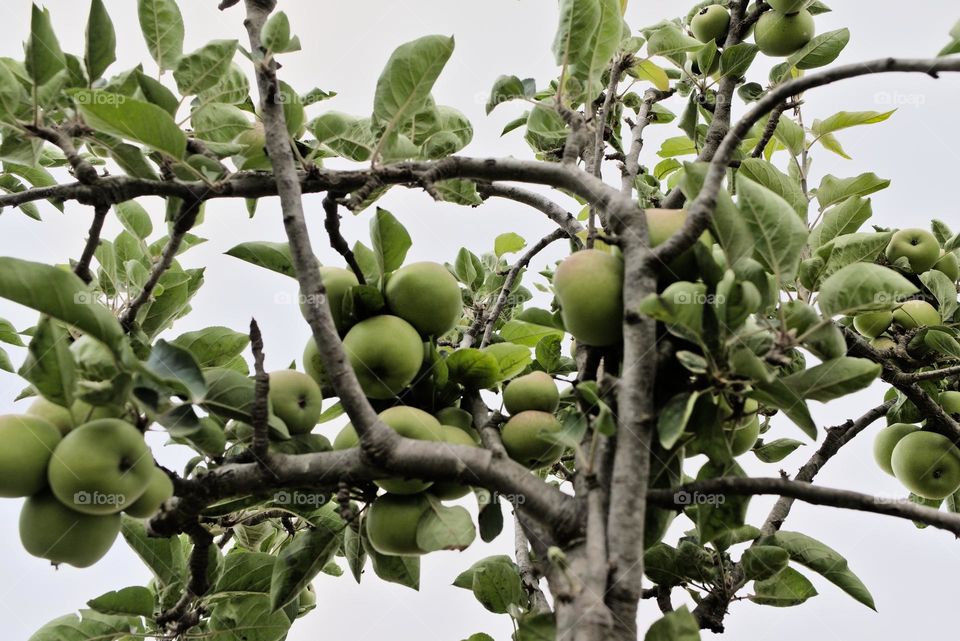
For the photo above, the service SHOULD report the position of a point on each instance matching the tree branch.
(260, 448)
(332, 224)
(552, 210)
(83, 170)
(82, 268)
(631, 165)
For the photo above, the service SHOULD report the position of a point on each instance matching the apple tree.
(710, 292)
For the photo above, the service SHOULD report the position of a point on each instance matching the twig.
(181, 617)
(552, 210)
(82, 268)
(83, 170)
(528, 574)
(769, 130)
(337, 241)
(260, 410)
(631, 163)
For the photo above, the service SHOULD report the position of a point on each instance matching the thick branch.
(259, 412)
(83, 170)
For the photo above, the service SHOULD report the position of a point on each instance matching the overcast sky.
(910, 572)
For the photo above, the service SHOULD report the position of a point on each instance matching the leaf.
(779, 233)
(863, 287)
(587, 37)
(777, 394)
(230, 394)
(776, 451)
(490, 518)
(717, 514)
(60, 294)
(525, 333)
(784, 589)
(825, 561)
(786, 187)
(134, 218)
(736, 60)
(247, 618)
(473, 368)
(213, 346)
(246, 572)
(834, 190)
(847, 119)
(44, 58)
(833, 379)
(162, 27)
(390, 241)
(679, 625)
(406, 81)
(101, 42)
(273, 256)
(276, 34)
(942, 342)
(404, 570)
(353, 549)
(203, 69)
(300, 562)
(844, 218)
(669, 40)
(49, 365)
(512, 359)
(943, 289)
(465, 579)
(445, 528)
(674, 417)
(729, 226)
(135, 600)
(164, 557)
(458, 191)
(505, 89)
(90, 627)
(497, 586)
(345, 135)
(821, 51)
(649, 70)
(171, 363)
(852, 248)
(508, 243)
(131, 119)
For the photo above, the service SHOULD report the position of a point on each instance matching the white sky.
(345, 45)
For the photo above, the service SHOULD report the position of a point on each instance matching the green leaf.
(587, 37)
(219, 122)
(776, 394)
(173, 364)
(246, 572)
(45, 59)
(546, 129)
(164, 556)
(473, 368)
(943, 289)
(230, 394)
(784, 589)
(834, 190)
(736, 60)
(825, 561)
(776, 451)
(49, 365)
(512, 359)
(497, 586)
(135, 600)
(833, 379)
(669, 40)
(852, 248)
(300, 562)
(786, 187)
(717, 514)
(406, 81)
(273, 256)
(403, 570)
(131, 119)
(845, 218)
(213, 346)
(353, 549)
(942, 342)
(247, 618)
(863, 287)
(821, 51)
(508, 243)
(162, 27)
(465, 579)
(847, 119)
(91, 626)
(525, 333)
(61, 294)
(649, 70)
(276, 35)
(345, 135)
(203, 69)
(458, 191)
(679, 625)
(390, 240)
(101, 43)
(779, 233)
(505, 89)
(445, 528)
(729, 226)
(674, 417)
(134, 218)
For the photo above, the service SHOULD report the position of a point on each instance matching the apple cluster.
(77, 476)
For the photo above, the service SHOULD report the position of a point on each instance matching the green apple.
(252, 154)
(27, 444)
(695, 64)
(789, 6)
(59, 416)
(711, 23)
(872, 324)
(883, 343)
(927, 464)
(337, 282)
(410, 422)
(950, 402)
(886, 440)
(50, 530)
(392, 521)
(589, 288)
(458, 417)
(101, 467)
(307, 600)
(448, 490)
(664, 223)
(523, 439)
(534, 391)
(916, 313)
(159, 489)
(313, 364)
(783, 35)
(427, 296)
(918, 246)
(346, 438)
(948, 265)
(744, 435)
(296, 400)
(386, 353)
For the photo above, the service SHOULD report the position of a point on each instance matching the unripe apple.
(916, 313)
(101, 467)
(26, 446)
(392, 523)
(744, 436)
(789, 6)
(883, 343)
(872, 324)
(711, 23)
(410, 422)
(59, 416)
(523, 439)
(52, 531)
(313, 364)
(928, 464)
(336, 282)
(386, 353)
(783, 35)
(448, 490)
(456, 417)
(664, 223)
(159, 489)
(253, 154)
(918, 246)
(346, 438)
(534, 391)
(886, 440)
(948, 265)
(589, 288)
(296, 400)
(950, 402)
(427, 296)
